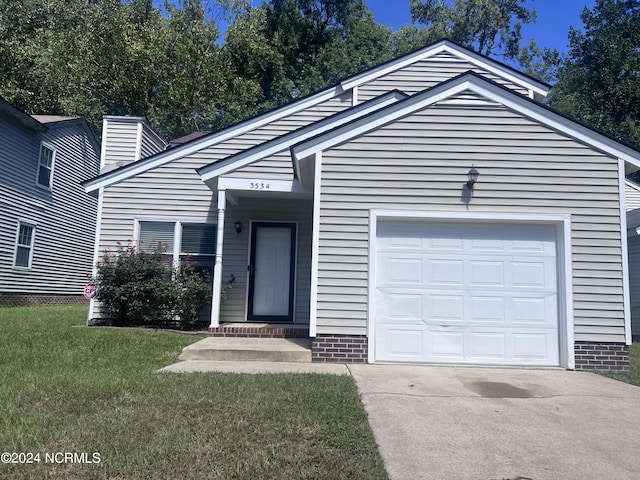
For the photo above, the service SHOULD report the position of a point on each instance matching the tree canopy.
(171, 63)
(599, 83)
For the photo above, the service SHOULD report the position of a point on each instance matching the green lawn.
(65, 388)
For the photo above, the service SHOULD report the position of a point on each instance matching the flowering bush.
(142, 287)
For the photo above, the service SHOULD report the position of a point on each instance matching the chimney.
(126, 140)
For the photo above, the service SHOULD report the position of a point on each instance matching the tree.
(599, 83)
(119, 57)
(290, 48)
(491, 27)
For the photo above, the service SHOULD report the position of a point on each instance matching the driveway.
(450, 423)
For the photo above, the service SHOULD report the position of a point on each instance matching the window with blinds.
(157, 233)
(198, 245)
(197, 242)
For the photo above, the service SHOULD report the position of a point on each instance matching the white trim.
(50, 147)
(354, 96)
(210, 140)
(261, 185)
(283, 142)
(96, 249)
(445, 46)
(217, 269)
(177, 245)
(315, 247)
(138, 142)
(625, 253)
(565, 280)
(481, 87)
(34, 227)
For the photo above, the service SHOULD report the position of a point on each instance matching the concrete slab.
(249, 349)
(257, 367)
(489, 423)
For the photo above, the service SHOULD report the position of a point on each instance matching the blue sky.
(552, 29)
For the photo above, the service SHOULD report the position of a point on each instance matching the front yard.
(88, 403)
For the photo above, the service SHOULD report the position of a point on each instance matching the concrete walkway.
(256, 367)
(447, 423)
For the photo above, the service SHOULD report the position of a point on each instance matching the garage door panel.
(493, 301)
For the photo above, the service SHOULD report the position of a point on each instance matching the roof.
(468, 82)
(284, 142)
(197, 144)
(188, 138)
(46, 119)
(11, 111)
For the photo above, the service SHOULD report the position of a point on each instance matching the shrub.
(143, 287)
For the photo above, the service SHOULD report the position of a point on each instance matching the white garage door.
(466, 293)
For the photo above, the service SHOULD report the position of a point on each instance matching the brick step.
(260, 330)
(249, 350)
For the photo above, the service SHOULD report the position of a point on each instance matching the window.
(45, 166)
(24, 245)
(197, 241)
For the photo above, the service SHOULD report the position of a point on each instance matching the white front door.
(466, 293)
(271, 271)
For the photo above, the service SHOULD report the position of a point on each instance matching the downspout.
(217, 269)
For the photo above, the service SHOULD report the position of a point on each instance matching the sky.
(552, 29)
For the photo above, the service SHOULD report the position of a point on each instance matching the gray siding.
(425, 74)
(175, 191)
(64, 217)
(150, 143)
(421, 163)
(236, 251)
(119, 139)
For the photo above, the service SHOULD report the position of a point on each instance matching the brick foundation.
(602, 357)
(32, 299)
(339, 349)
(259, 331)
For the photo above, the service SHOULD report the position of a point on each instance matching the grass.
(633, 377)
(92, 390)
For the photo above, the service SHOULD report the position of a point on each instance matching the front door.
(271, 271)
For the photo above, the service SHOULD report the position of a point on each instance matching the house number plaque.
(258, 186)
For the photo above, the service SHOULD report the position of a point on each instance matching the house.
(47, 221)
(428, 210)
(632, 203)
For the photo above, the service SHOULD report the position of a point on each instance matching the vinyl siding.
(175, 191)
(632, 197)
(64, 217)
(120, 140)
(425, 74)
(236, 251)
(151, 143)
(421, 163)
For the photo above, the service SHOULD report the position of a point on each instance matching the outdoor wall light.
(473, 178)
(238, 225)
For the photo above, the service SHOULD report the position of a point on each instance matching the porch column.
(217, 269)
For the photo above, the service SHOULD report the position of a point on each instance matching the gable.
(248, 132)
(484, 91)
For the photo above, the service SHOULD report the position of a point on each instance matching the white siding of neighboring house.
(64, 217)
(631, 195)
(421, 163)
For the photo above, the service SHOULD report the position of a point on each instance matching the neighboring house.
(632, 202)
(47, 221)
(352, 216)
